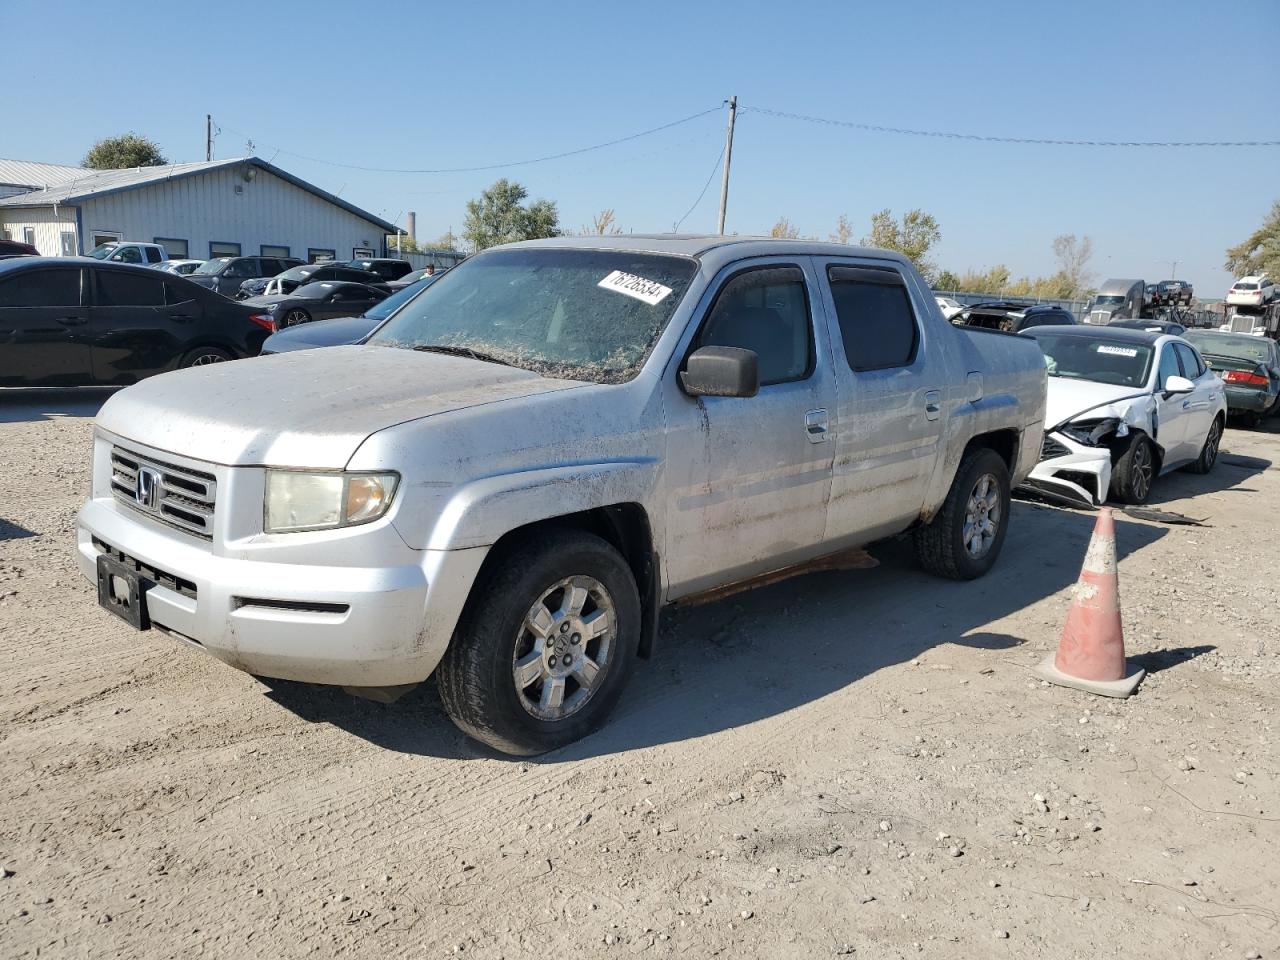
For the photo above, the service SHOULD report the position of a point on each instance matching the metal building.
(237, 207)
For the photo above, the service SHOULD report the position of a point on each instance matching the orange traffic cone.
(1090, 655)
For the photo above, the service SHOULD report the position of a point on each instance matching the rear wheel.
(963, 541)
(1209, 452)
(545, 646)
(203, 356)
(294, 317)
(1134, 471)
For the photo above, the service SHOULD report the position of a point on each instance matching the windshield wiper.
(455, 351)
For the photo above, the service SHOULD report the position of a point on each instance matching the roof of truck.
(700, 245)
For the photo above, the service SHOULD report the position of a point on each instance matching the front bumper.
(363, 626)
(1248, 400)
(1081, 475)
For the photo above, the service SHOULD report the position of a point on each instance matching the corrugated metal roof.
(96, 183)
(25, 173)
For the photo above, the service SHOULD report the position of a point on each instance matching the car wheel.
(964, 539)
(1134, 471)
(545, 645)
(1209, 452)
(295, 317)
(203, 356)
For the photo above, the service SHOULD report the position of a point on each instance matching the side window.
(764, 309)
(153, 255)
(1169, 366)
(1191, 365)
(119, 288)
(175, 293)
(128, 255)
(877, 324)
(41, 288)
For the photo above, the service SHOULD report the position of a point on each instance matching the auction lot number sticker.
(629, 284)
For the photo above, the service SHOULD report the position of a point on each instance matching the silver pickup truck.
(510, 478)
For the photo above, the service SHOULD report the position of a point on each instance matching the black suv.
(1013, 317)
(384, 267)
(225, 274)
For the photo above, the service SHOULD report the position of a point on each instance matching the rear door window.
(153, 255)
(41, 288)
(877, 323)
(118, 288)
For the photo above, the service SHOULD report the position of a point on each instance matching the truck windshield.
(578, 314)
(1120, 362)
(102, 251)
(1109, 300)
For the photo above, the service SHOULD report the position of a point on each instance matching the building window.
(29, 235)
(273, 250)
(175, 249)
(99, 238)
(218, 249)
(363, 253)
(68, 243)
(318, 255)
(6, 234)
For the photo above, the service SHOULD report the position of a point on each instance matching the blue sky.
(438, 85)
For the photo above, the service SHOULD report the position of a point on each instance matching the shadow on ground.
(22, 406)
(771, 650)
(13, 531)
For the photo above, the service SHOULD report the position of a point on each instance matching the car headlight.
(1093, 432)
(325, 501)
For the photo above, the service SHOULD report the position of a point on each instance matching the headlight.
(325, 501)
(1093, 432)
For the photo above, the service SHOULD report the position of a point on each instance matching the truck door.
(748, 478)
(892, 389)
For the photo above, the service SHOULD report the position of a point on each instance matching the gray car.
(317, 301)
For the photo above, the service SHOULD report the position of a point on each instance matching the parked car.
(1171, 327)
(338, 331)
(949, 307)
(225, 274)
(319, 300)
(1249, 367)
(415, 276)
(386, 268)
(16, 248)
(1251, 291)
(129, 251)
(1125, 407)
(1012, 317)
(179, 268)
(1118, 300)
(73, 323)
(1175, 291)
(507, 482)
(294, 277)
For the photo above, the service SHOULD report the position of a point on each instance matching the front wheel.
(1134, 471)
(203, 356)
(964, 539)
(545, 646)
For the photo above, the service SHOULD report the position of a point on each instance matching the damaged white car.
(1124, 407)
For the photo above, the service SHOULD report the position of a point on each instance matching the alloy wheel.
(982, 516)
(1141, 470)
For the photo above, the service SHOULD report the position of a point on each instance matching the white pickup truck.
(522, 465)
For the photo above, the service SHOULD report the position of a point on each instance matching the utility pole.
(728, 156)
(208, 136)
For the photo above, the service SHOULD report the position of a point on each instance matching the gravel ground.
(856, 763)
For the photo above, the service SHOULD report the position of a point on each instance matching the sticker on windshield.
(1118, 351)
(629, 284)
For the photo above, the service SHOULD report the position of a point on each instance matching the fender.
(480, 512)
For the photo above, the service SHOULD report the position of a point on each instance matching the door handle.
(183, 317)
(815, 425)
(933, 405)
(72, 321)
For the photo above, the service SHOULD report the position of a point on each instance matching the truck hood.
(308, 409)
(1068, 397)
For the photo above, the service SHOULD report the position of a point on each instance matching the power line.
(494, 166)
(711, 176)
(877, 128)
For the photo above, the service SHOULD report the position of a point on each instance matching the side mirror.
(1175, 385)
(721, 372)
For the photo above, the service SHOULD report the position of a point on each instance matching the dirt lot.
(851, 764)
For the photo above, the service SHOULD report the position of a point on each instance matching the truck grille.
(179, 496)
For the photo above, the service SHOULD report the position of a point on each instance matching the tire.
(294, 317)
(203, 356)
(477, 677)
(1134, 471)
(1209, 452)
(980, 492)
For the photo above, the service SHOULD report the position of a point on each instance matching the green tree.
(119, 153)
(1260, 252)
(499, 215)
(912, 237)
(446, 241)
(947, 281)
(783, 230)
(843, 232)
(407, 243)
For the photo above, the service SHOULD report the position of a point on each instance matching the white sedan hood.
(1069, 398)
(308, 408)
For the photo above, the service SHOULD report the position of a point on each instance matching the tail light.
(1248, 379)
(265, 321)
